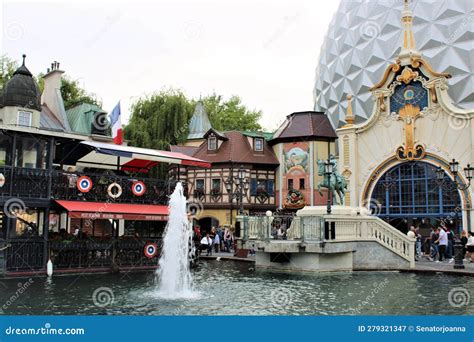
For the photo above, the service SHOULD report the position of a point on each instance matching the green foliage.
(159, 120)
(7, 68)
(73, 94)
(231, 114)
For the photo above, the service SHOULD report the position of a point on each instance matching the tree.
(231, 114)
(158, 121)
(7, 68)
(73, 94)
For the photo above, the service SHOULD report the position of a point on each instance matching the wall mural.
(296, 177)
(296, 158)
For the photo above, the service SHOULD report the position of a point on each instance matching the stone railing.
(371, 228)
(340, 227)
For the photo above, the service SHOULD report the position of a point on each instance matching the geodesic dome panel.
(365, 36)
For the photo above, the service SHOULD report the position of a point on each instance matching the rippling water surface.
(231, 288)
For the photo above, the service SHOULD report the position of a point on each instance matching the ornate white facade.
(363, 38)
(414, 119)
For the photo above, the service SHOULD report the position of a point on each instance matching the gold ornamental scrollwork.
(407, 75)
(410, 150)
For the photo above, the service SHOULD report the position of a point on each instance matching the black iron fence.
(46, 184)
(28, 254)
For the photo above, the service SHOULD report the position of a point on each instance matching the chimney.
(51, 96)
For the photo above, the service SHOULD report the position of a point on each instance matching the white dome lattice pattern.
(364, 37)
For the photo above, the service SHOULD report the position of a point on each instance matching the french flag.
(116, 123)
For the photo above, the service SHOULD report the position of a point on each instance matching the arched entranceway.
(409, 194)
(206, 224)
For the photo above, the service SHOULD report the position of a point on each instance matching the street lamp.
(329, 169)
(241, 187)
(454, 169)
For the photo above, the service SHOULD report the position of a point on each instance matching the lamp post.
(454, 169)
(329, 169)
(237, 187)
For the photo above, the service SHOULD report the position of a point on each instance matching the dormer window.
(258, 144)
(24, 118)
(212, 143)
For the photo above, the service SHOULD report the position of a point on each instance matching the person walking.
(433, 245)
(418, 242)
(464, 243)
(209, 244)
(450, 246)
(227, 240)
(217, 243)
(470, 247)
(442, 243)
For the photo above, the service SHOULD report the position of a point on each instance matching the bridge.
(347, 239)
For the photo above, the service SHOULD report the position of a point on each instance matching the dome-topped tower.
(21, 90)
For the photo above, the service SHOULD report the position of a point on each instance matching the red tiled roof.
(237, 149)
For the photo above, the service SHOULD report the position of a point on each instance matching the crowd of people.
(219, 239)
(439, 246)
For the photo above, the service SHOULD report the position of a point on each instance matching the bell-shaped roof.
(21, 90)
(199, 124)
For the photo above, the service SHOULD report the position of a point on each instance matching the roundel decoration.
(150, 250)
(2, 180)
(84, 184)
(138, 188)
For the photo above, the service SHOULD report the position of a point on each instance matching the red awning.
(115, 211)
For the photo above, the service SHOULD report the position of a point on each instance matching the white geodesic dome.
(364, 37)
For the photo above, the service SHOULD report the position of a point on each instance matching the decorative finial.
(407, 22)
(24, 57)
(349, 114)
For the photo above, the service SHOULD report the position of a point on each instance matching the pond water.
(233, 288)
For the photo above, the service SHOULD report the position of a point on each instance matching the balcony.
(60, 185)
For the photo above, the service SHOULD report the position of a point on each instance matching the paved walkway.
(226, 256)
(424, 265)
(421, 266)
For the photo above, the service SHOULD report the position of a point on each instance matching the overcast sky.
(264, 51)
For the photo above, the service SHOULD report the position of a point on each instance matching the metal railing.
(28, 254)
(61, 185)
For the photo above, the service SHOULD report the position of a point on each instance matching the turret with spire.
(198, 125)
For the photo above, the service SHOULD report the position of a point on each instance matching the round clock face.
(404, 94)
(409, 94)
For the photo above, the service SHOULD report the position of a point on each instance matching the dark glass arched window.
(412, 190)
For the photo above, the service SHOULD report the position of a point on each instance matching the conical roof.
(21, 90)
